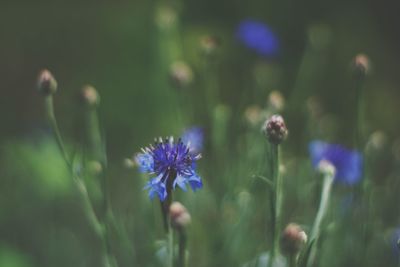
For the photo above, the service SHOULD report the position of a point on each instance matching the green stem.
(182, 248)
(97, 226)
(51, 118)
(292, 260)
(276, 204)
(322, 210)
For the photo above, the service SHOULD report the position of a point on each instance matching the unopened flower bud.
(293, 239)
(253, 115)
(180, 217)
(326, 168)
(275, 129)
(209, 45)
(94, 167)
(90, 96)
(361, 65)
(276, 101)
(181, 74)
(46, 83)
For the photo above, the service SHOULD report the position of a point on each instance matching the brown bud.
(293, 239)
(46, 83)
(90, 96)
(361, 65)
(276, 101)
(181, 74)
(275, 129)
(180, 217)
(209, 45)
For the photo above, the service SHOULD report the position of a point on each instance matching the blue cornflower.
(172, 163)
(194, 139)
(258, 36)
(348, 163)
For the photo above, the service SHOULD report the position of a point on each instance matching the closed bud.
(180, 217)
(361, 65)
(293, 239)
(326, 168)
(46, 83)
(209, 45)
(90, 96)
(181, 74)
(275, 129)
(276, 101)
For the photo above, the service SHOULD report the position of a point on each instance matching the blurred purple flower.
(348, 163)
(395, 244)
(258, 36)
(194, 139)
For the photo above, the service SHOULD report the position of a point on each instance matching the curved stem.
(323, 208)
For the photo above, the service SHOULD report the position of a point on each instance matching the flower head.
(172, 163)
(46, 83)
(275, 129)
(293, 239)
(347, 163)
(258, 36)
(193, 138)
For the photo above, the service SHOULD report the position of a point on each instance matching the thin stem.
(182, 248)
(54, 126)
(292, 260)
(97, 226)
(171, 248)
(323, 208)
(276, 204)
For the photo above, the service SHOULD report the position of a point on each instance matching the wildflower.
(258, 37)
(276, 101)
(172, 163)
(275, 129)
(347, 163)
(293, 239)
(46, 83)
(193, 138)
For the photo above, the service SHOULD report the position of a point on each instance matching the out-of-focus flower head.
(348, 163)
(293, 239)
(275, 129)
(181, 74)
(193, 138)
(276, 101)
(180, 217)
(172, 163)
(46, 83)
(258, 36)
(209, 44)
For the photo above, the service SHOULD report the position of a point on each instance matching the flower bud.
(326, 168)
(361, 65)
(209, 45)
(275, 129)
(276, 101)
(46, 83)
(253, 115)
(180, 217)
(293, 239)
(90, 96)
(181, 74)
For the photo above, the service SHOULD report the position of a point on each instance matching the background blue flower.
(348, 163)
(258, 36)
(194, 139)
